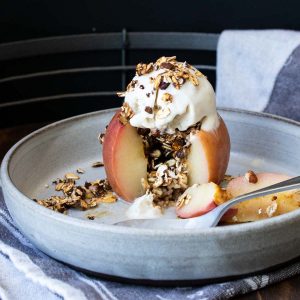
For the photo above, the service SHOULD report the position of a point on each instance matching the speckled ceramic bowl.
(260, 142)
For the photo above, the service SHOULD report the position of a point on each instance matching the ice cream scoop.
(169, 95)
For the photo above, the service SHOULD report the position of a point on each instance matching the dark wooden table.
(285, 290)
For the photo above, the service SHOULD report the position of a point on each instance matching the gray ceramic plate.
(259, 142)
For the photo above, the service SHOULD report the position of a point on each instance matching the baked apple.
(167, 136)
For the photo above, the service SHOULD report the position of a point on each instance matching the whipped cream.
(189, 104)
(142, 208)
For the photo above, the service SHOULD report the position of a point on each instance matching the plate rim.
(9, 187)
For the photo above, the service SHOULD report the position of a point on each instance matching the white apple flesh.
(209, 155)
(124, 159)
(198, 200)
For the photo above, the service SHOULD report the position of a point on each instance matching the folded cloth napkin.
(259, 70)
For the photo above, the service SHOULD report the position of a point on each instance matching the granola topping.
(126, 113)
(77, 196)
(179, 95)
(167, 172)
(173, 72)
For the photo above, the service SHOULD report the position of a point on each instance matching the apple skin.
(256, 209)
(202, 199)
(124, 159)
(209, 155)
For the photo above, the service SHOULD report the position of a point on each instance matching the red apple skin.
(230, 213)
(124, 159)
(211, 157)
(197, 213)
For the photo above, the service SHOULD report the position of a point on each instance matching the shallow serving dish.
(260, 142)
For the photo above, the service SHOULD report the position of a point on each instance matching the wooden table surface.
(285, 290)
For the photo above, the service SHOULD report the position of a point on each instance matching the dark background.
(29, 19)
(39, 18)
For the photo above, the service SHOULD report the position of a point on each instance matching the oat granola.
(167, 172)
(87, 196)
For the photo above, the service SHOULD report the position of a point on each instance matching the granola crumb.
(101, 137)
(97, 164)
(71, 176)
(148, 109)
(80, 171)
(251, 177)
(271, 209)
(228, 177)
(234, 219)
(167, 97)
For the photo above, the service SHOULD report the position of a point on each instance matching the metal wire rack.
(29, 79)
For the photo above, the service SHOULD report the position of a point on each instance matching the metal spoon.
(212, 218)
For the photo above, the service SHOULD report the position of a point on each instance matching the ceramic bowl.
(259, 141)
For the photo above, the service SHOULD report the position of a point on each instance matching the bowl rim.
(9, 187)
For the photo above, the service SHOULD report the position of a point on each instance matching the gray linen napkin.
(259, 70)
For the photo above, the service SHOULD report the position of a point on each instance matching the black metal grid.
(39, 75)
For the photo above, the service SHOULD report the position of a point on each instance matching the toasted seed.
(121, 94)
(171, 163)
(59, 186)
(156, 153)
(251, 177)
(167, 97)
(167, 65)
(148, 109)
(71, 176)
(80, 171)
(164, 85)
(109, 198)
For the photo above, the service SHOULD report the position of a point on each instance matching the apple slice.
(209, 155)
(198, 199)
(124, 159)
(262, 207)
(241, 185)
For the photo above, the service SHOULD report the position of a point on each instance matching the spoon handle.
(290, 184)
